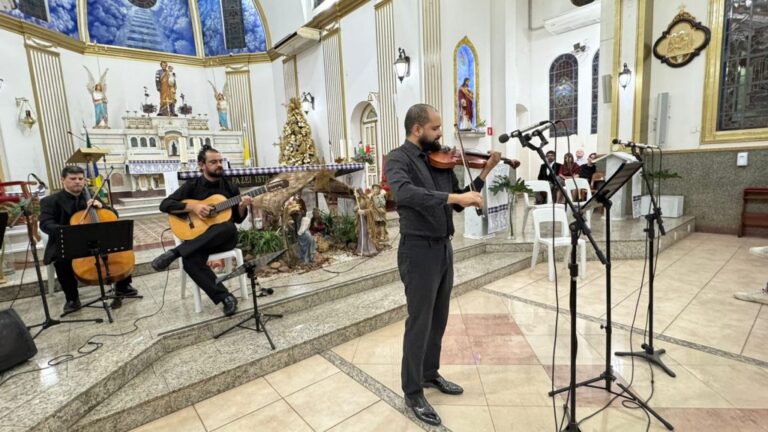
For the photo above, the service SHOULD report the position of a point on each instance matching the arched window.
(152, 142)
(207, 141)
(564, 93)
(595, 73)
(134, 142)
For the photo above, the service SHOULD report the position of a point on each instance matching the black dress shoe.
(422, 409)
(444, 386)
(230, 305)
(163, 261)
(71, 306)
(126, 291)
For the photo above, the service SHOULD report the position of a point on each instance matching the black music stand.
(250, 268)
(96, 240)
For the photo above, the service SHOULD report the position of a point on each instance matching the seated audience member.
(544, 175)
(580, 159)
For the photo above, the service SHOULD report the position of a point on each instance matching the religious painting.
(155, 25)
(231, 27)
(682, 41)
(465, 78)
(56, 15)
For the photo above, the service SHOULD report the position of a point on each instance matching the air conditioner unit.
(298, 41)
(577, 18)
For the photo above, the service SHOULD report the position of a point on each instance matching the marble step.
(189, 375)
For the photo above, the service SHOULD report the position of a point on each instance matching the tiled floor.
(498, 345)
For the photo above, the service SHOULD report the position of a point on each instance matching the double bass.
(114, 266)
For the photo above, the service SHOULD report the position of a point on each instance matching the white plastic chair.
(530, 204)
(544, 215)
(580, 184)
(171, 184)
(227, 256)
(50, 269)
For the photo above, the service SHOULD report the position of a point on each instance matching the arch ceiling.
(169, 26)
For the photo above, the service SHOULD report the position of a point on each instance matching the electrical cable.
(96, 345)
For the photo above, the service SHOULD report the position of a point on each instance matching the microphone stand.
(649, 353)
(48, 322)
(577, 227)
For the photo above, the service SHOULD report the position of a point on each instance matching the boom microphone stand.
(648, 352)
(250, 268)
(577, 227)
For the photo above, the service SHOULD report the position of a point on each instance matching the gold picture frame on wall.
(682, 41)
(713, 77)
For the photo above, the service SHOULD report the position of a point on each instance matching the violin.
(115, 266)
(447, 158)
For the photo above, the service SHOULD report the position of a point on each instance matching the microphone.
(633, 144)
(514, 134)
(42, 184)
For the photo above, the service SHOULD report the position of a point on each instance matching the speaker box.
(607, 81)
(16, 344)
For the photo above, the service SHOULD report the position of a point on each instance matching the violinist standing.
(425, 197)
(55, 211)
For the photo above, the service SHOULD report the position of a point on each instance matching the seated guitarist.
(218, 238)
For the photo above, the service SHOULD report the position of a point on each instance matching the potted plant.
(512, 188)
(671, 205)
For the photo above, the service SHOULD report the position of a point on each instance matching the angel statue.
(221, 105)
(98, 92)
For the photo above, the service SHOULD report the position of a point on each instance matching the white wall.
(408, 36)
(311, 71)
(358, 47)
(684, 85)
(265, 102)
(283, 17)
(23, 148)
(546, 48)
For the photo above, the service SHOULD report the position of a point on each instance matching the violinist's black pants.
(194, 257)
(426, 269)
(68, 282)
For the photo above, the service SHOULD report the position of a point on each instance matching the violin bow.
(98, 191)
(466, 166)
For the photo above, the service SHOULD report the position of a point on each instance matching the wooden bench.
(753, 219)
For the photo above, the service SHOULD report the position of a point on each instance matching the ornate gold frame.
(465, 41)
(709, 132)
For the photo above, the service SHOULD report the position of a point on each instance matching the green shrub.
(344, 229)
(256, 242)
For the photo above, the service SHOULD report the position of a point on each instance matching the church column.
(51, 105)
(433, 77)
(240, 106)
(334, 91)
(386, 50)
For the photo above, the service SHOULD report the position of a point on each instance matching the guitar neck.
(235, 200)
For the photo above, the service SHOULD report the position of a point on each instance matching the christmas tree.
(296, 146)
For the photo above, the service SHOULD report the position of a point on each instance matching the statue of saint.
(367, 243)
(221, 105)
(466, 106)
(165, 81)
(98, 92)
(379, 201)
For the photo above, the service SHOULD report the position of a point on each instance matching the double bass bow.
(114, 266)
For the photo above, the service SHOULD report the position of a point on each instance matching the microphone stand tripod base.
(652, 356)
(257, 317)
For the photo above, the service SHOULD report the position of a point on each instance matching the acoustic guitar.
(187, 226)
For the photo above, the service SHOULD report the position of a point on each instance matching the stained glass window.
(564, 93)
(595, 73)
(744, 66)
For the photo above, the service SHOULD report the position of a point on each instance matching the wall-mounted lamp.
(402, 65)
(25, 113)
(625, 76)
(307, 102)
